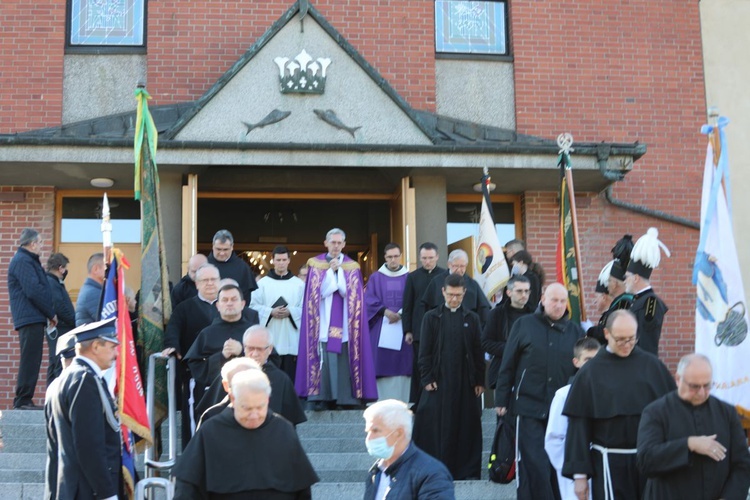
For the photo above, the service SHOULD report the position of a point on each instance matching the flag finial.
(565, 142)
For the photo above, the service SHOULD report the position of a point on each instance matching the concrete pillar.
(431, 212)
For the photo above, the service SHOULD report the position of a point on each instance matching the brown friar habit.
(604, 407)
(228, 462)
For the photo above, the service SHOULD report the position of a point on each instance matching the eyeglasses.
(625, 341)
(255, 349)
(208, 280)
(698, 387)
(454, 295)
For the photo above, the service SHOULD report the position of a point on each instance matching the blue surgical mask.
(378, 447)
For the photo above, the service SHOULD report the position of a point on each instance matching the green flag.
(155, 305)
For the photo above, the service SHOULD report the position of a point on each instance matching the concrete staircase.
(333, 440)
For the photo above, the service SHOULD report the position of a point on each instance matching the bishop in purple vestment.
(392, 354)
(334, 364)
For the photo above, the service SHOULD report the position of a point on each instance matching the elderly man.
(229, 265)
(185, 288)
(242, 439)
(221, 340)
(278, 301)
(536, 363)
(604, 408)
(89, 296)
(257, 345)
(217, 396)
(448, 422)
(474, 300)
(391, 351)
(691, 444)
(32, 309)
(334, 367)
(187, 320)
(413, 310)
(85, 417)
(402, 470)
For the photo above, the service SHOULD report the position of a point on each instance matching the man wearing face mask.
(57, 270)
(402, 469)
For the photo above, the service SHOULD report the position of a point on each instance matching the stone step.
(465, 490)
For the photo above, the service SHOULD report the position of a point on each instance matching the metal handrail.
(154, 482)
(151, 463)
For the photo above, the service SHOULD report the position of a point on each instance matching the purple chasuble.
(307, 381)
(386, 291)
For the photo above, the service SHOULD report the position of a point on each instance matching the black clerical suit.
(227, 461)
(184, 289)
(238, 270)
(604, 408)
(187, 320)
(284, 400)
(412, 312)
(448, 420)
(676, 473)
(649, 310)
(474, 299)
(205, 358)
(88, 436)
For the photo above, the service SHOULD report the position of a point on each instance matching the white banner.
(491, 269)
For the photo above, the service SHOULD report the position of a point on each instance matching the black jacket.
(183, 290)
(30, 295)
(66, 315)
(495, 335)
(537, 361)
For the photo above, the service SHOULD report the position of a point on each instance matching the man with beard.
(604, 409)
(384, 299)
(278, 301)
(536, 363)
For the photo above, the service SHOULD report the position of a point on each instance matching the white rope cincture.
(609, 491)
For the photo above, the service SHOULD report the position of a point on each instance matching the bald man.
(185, 288)
(536, 363)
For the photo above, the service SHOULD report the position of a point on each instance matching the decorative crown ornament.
(302, 75)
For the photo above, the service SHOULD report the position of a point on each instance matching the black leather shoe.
(28, 406)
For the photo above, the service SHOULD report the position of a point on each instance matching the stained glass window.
(470, 27)
(116, 23)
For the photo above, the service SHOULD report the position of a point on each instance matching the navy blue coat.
(90, 456)
(87, 305)
(416, 475)
(66, 315)
(30, 295)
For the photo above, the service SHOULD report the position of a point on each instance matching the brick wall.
(36, 211)
(31, 64)
(191, 44)
(619, 71)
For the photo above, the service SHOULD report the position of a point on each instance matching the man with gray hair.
(32, 309)
(230, 265)
(402, 470)
(691, 444)
(334, 363)
(474, 300)
(245, 437)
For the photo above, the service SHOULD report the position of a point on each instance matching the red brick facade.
(601, 70)
(36, 211)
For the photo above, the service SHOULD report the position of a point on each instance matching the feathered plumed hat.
(602, 284)
(621, 253)
(646, 253)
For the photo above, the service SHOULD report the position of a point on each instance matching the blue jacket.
(87, 305)
(30, 295)
(415, 475)
(66, 315)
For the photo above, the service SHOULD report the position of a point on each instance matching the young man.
(557, 425)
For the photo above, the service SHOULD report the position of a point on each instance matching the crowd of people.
(594, 412)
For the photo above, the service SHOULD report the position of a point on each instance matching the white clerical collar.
(393, 274)
(204, 299)
(451, 309)
(91, 363)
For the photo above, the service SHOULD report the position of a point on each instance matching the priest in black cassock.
(221, 340)
(691, 444)
(246, 452)
(604, 409)
(448, 421)
(413, 310)
(187, 320)
(256, 343)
